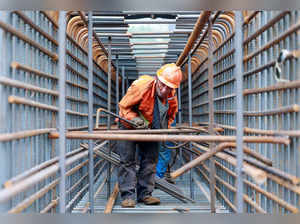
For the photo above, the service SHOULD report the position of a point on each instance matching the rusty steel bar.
(265, 27)
(37, 168)
(111, 201)
(30, 200)
(24, 101)
(258, 175)
(262, 191)
(283, 175)
(7, 193)
(23, 37)
(151, 131)
(17, 65)
(113, 114)
(24, 134)
(245, 197)
(257, 156)
(100, 188)
(205, 32)
(228, 202)
(79, 193)
(36, 27)
(202, 38)
(276, 87)
(53, 203)
(281, 37)
(203, 18)
(81, 14)
(22, 85)
(250, 17)
(153, 138)
(292, 133)
(201, 159)
(280, 110)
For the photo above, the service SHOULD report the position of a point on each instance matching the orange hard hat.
(170, 75)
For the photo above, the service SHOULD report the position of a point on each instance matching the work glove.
(140, 123)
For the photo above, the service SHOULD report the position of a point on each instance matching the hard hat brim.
(164, 81)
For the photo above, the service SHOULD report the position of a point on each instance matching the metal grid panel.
(265, 36)
(29, 84)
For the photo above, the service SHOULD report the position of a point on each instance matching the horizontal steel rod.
(37, 168)
(277, 87)
(271, 43)
(7, 193)
(28, 201)
(292, 133)
(73, 200)
(22, 85)
(17, 65)
(151, 131)
(24, 134)
(24, 101)
(265, 27)
(260, 190)
(200, 138)
(26, 39)
(258, 175)
(36, 27)
(246, 198)
(200, 159)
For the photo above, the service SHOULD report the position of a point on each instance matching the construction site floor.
(168, 204)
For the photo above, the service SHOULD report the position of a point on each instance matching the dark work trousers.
(142, 181)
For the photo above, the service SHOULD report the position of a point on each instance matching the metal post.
(62, 109)
(238, 58)
(190, 118)
(123, 81)
(212, 181)
(90, 110)
(180, 119)
(127, 82)
(108, 118)
(5, 153)
(117, 84)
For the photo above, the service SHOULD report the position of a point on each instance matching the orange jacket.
(141, 93)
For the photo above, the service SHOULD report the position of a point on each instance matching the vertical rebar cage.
(29, 92)
(29, 95)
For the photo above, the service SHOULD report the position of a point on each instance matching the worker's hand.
(140, 123)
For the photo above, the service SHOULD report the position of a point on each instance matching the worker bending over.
(150, 102)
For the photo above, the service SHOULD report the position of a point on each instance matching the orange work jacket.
(141, 94)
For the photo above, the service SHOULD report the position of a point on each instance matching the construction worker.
(150, 102)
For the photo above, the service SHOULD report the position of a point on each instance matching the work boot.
(149, 200)
(128, 203)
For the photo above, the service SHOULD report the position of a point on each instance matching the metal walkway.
(168, 204)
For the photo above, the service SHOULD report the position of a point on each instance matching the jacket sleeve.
(173, 108)
(132, 97)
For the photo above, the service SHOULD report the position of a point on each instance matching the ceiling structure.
(144, 52)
